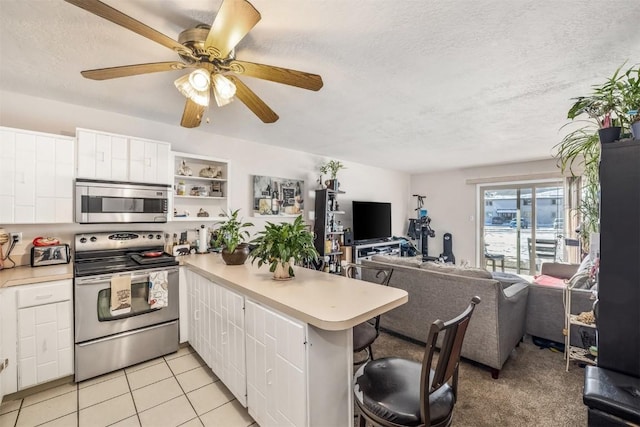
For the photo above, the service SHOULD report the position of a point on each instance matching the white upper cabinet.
(36, 177)
(106, 156)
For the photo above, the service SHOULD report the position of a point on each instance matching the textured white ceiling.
(410, 85)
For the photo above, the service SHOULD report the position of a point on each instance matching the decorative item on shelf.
(332, 167)
(203, 213)
(199, 191)
(283, 245)
(216, 189)
(210, 172)
(231, 236)
(184, 169)
(181, 190)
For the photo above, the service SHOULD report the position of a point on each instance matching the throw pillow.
(585, 265)
(545, 280)
(454, 269)
(579, 281)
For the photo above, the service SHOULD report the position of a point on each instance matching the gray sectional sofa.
(441, 291)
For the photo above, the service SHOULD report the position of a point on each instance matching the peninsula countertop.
(324, 300)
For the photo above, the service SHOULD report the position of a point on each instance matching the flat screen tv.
(371, 221)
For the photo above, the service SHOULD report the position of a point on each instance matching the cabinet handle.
(196, 314)
(100, 156)
(44, 346)
(44, 296)
(269, 372)
(224, 341)
(147, 161)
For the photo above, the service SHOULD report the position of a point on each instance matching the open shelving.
(215, 201)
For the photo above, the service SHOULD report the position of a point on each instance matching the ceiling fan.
(210, 52)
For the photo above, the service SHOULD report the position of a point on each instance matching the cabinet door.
(86, 149)
(276, 367)
(45, 337)
(25, 182)
(7, 175)
(233, 344)
(149, 161)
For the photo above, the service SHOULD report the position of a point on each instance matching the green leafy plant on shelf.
(283, 245)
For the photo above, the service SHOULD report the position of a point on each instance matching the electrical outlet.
(16, 237)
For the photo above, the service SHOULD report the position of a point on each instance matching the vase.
(609, 135)
(282, 271)
(238, 256)
(332, 184)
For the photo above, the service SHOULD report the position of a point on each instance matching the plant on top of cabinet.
(282, 245)
(231, 235)
(332, 167)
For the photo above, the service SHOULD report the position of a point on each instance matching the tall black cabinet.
(619, 279)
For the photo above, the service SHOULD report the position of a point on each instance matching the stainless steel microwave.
(116, 201)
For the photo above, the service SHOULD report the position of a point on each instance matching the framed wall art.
(274, 196)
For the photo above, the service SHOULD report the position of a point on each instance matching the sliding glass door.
(522, 226)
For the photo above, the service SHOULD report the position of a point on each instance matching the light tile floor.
(175, 390)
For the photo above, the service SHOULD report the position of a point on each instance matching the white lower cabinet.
(45, 332)
(276, 367)
(216, 331)
(285, 371)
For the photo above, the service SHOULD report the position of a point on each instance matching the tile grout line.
(135, 407)
(183, 392)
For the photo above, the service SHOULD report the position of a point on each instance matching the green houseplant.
(331, 168)
(282, 245)
(608, 104)
(231, 236)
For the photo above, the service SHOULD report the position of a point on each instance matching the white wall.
(360, 182)
(451, 201)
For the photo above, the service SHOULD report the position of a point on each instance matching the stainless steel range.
(107, 339)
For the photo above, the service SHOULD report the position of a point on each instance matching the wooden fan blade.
(192, 115)
(251, 100)
(277, 74)
(233, 21)
(110, 14)
(132, 70)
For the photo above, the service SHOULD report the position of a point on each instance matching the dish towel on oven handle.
(120, 295)
(158, 289)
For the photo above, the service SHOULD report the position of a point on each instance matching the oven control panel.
(118, 240)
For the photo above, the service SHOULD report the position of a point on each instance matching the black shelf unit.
(327, 237)
(618, 319)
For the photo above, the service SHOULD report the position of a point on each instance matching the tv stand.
(365, 250)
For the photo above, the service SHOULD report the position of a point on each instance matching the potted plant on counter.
(331, 168)
(231, 236)
(282, 245)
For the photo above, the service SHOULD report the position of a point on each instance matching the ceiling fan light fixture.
(195, 86)
(223, 89)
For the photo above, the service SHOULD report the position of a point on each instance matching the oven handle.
(134, 276)
(124, 334)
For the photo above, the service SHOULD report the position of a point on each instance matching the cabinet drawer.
(48, 293)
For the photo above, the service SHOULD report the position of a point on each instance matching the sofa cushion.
(458, 270)
(413, 261)
(580, 281)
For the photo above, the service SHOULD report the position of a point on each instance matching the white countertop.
(25, 275)
(324, 300)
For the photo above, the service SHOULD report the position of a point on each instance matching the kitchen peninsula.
(284, 348)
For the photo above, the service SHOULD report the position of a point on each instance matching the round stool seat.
(389, 388)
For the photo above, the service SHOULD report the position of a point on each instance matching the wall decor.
(274, 196)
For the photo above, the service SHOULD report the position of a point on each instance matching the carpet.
(533, 389)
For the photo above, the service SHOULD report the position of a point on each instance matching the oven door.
(115, 202)
(92, 300)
